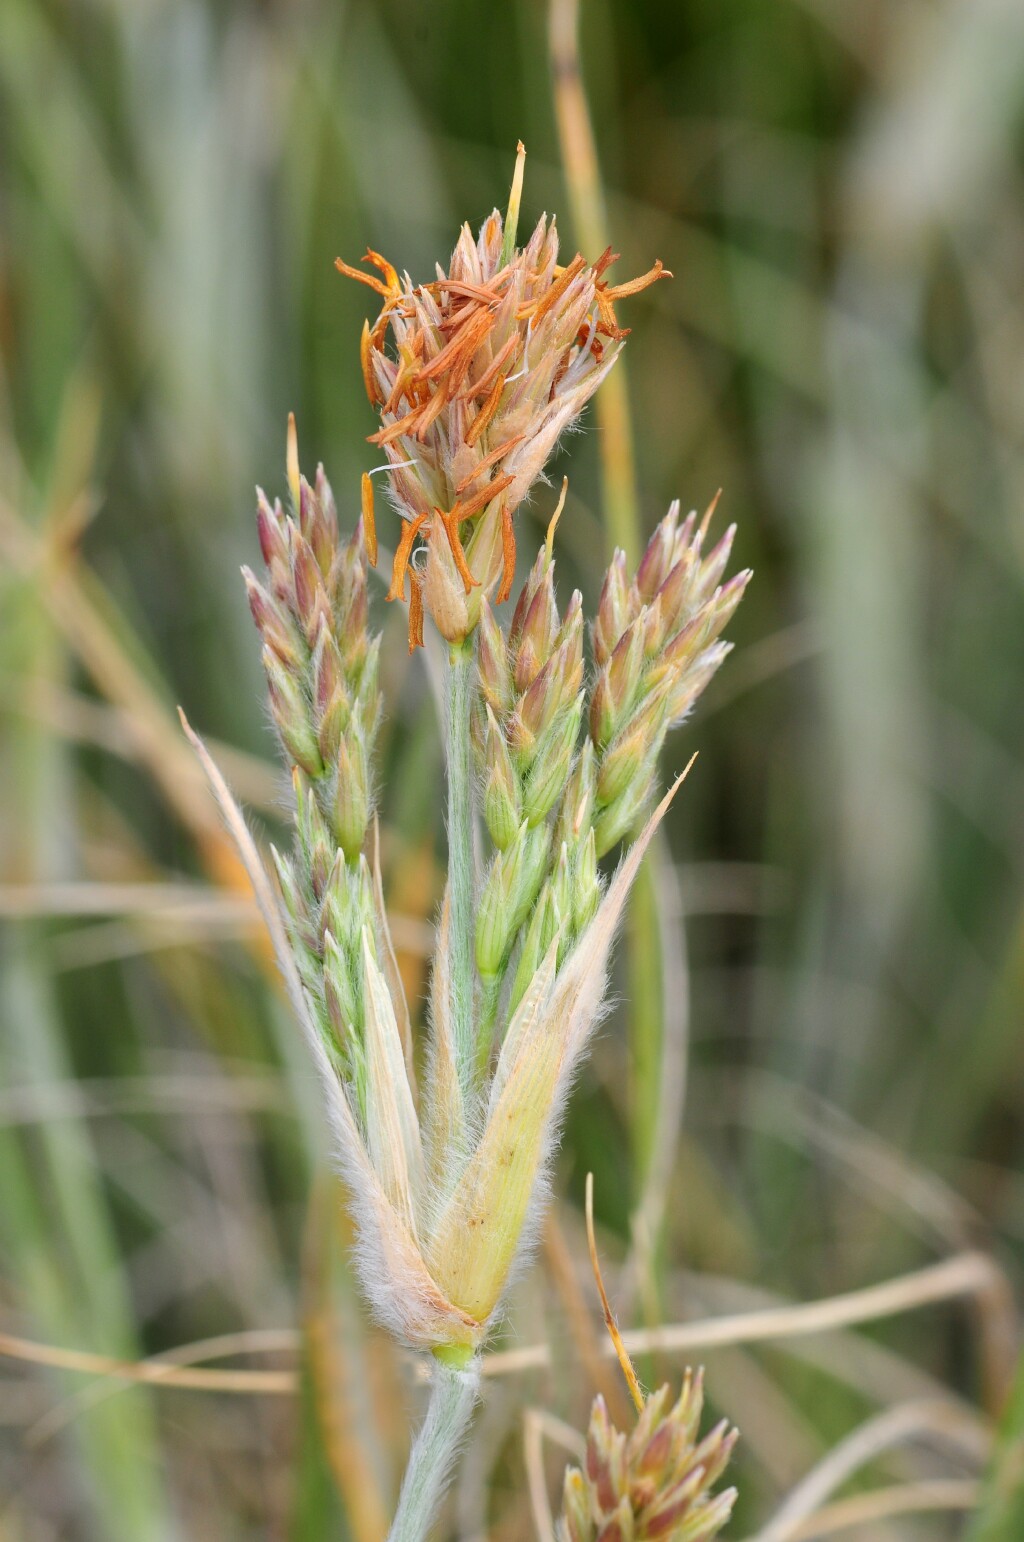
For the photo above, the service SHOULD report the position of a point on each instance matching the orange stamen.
(486, 412)
(415, 612)
(403, 425)
(409, 355)
(363, 278)
(508, 555)
(432, 410)
(380, 326)
(539, 308)
(480, 385)
(390, 276)
(450, 521)
(366, 360)
(606, 313)
(369, 521)
(488, 461)
(461, 348)
(604, 262)
(634, 285)
(486, 495)
(410, 530)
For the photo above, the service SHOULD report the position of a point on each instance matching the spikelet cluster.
(656, 643)
(656, 1482)
(476, 375)
(542, 880)
(554, 805)
(322, 684)
(444, 1177)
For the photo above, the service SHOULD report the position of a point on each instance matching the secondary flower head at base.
(657, 1482)
(476, 375)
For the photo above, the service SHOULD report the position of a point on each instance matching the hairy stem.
(461, 868)
(452, 1398)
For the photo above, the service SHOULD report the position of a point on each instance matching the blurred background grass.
(813, 1079)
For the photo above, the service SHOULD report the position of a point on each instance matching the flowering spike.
(476, 376)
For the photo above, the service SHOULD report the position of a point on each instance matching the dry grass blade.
(968, 1274)
(965, 1275)
(172, 901)
(538, 1423)
(166, 1370)
(78, 718)
(884, 1504)
(183, 1358)
(117, 1097)
(187, 911)
(937, 1420)
(74, 612)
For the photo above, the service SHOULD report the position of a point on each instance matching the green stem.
(452, 1398)
(461, 866)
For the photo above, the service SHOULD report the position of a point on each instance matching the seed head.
(474, 376)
